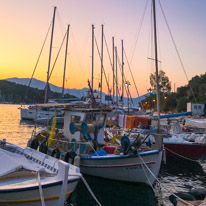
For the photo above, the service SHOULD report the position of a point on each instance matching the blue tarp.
(174, 115)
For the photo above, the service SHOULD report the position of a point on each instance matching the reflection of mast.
(92, 56)
(156, 63)
(65, 61)
(47, 83)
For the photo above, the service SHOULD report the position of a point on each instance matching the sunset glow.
(24, 25)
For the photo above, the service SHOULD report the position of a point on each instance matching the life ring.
(43, 147)
(34, 143)
(56, 153)
(69, 155)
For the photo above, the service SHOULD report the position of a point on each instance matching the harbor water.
(177, 175)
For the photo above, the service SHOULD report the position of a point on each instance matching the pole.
(65, 60)
(156, 64)
(52, 33)
(122, 74)
(116, 77)
(113, 66)
(92, 56)
(101, 63)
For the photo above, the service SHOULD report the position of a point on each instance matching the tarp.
(144, 121)
(133, 121)
(198, 123)
(11, 162)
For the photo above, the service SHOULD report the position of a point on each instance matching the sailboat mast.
(101, 63)
(113, 67)
(156, 63)
(122, 74)
(92, 56)
(52, 33)
(65, 60)
(116, 78)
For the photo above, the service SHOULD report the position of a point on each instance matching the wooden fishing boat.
(29, 177)
(83, 142)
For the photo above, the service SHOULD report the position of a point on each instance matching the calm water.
(176, 175)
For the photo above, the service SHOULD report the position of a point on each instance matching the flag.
(52, 133)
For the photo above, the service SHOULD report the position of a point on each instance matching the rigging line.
(127, 89)
(70, 60)
(109, 57)
(138, 32)
(133, 80)
(178, 54)
(39, 55)
(82, 48)
(103, 68)
(108, 51)
(57, 56)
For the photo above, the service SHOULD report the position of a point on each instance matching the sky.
(24, 24)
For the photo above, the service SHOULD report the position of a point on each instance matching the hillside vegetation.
(18, 94)
(194, 92)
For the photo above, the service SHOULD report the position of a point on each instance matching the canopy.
(11, 162)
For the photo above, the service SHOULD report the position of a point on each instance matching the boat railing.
(79, 143)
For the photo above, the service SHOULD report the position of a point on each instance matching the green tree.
(164, 83)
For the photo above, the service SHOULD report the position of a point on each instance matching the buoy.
(77, 161)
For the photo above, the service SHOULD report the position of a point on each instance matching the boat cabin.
(88, 123)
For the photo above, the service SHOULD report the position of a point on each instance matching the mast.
(122, 74)
(92, 56)
(113, 67)
(101, 63)
(156, 63)
(65, 60)
(116, 77)
(52, 33)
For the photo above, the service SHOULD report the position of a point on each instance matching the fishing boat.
(82, 142)
(29, 177)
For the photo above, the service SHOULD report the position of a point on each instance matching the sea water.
(177, 175)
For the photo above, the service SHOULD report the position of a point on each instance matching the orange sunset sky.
(24, 24)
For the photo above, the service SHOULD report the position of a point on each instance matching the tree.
(164, 83)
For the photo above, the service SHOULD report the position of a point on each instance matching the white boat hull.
(30, 114)
(31, 197)
(123, 168)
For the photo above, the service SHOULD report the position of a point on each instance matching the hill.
(17, 93)
(74, 92)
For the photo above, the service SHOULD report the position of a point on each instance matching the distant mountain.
(75, 92)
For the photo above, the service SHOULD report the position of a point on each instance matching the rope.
(133, 80)
(88, 188)
(39, 56)
(146, 174)
(102, 67)
(40, 189)
(126, 89)
(180, 155)
(161, 184)
(178, 54)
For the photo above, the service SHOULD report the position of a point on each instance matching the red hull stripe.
(112, 166)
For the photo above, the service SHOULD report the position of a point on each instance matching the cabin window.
(75, 118)
(89, 119)
(99, 119)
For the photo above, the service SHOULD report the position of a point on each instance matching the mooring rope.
(181, 155)
(40, 189)
(161, 184)
(88, 188)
